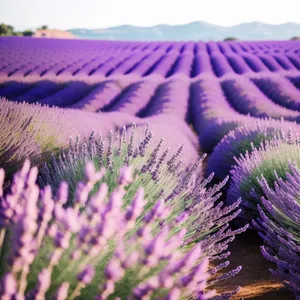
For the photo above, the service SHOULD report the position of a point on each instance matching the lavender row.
(280, 90)
(211, 114)
(170, 98)
(26, 58)
(242, 140)
(246, 98)
(34, 130)
(279, 226)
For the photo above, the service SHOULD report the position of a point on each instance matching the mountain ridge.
(197, 30)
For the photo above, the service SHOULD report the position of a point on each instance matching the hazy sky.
(65, 14)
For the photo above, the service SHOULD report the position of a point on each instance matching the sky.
(67, 14)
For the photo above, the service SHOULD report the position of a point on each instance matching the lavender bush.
(243, 139)
(220, 64)
(110, 250)
(161, 175)
(254, 62)
(270, 62)
(262, 161)
(119, 245)
(238, 63)
(279, 226)
(35, 131)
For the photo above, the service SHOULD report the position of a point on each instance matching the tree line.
(8, 30)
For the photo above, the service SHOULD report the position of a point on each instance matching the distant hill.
(192, 31)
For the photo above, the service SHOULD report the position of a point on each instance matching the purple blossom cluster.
(279, 227)
(207, 106)
(220, 64)
(36, 131)
(202, 63)
(217, 107)
(161, 175)
(66, 254)
(99, 97)
(241, 140)
(238, 64)
(270, 156)
(254, 62)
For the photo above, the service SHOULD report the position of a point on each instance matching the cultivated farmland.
(159, 106)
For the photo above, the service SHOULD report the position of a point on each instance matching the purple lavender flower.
(93, 253)
(279, 226)
(35, 131)
(270, 156)
(243, 139)
(158, 171)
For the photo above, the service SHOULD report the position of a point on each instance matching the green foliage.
(231, 38)
(28, 33)
(8, 30)
(276, 159)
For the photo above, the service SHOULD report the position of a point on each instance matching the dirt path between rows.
(255, 278)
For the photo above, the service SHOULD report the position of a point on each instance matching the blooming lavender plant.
(62, 253)
(116, 248)
(35, 131)
(262, 161)
(279, 226)
(242, 139)
(161, 175)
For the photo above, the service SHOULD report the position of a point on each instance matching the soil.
(255, 279)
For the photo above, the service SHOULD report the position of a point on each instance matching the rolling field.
(257, 79)
(239, 102)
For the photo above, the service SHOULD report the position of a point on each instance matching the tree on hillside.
(28, 33)
(6, 30)
(295, 38)
(44, 27)
(231, 38)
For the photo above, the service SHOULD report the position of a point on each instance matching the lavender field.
(128, 168)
